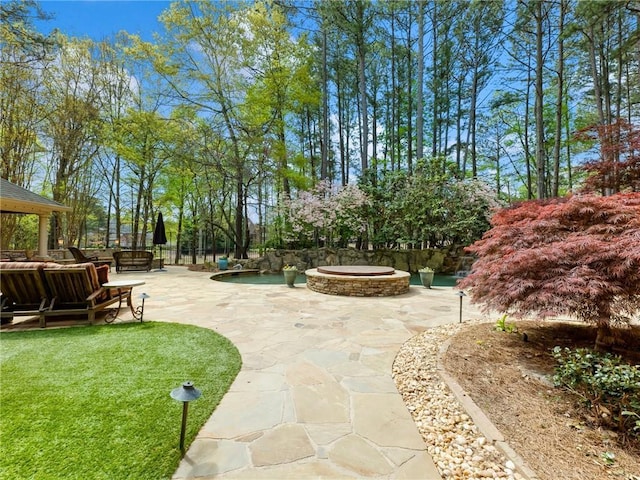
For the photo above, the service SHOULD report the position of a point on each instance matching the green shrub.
(609, 387)
(503, 326)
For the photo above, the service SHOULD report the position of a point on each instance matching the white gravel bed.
(458, 448)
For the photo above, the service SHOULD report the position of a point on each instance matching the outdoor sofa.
(133, 260)
(47, 289)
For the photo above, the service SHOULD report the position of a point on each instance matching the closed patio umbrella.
(160, 236)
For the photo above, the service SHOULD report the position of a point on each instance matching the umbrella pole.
(161, 264)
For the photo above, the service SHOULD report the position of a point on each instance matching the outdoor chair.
(77, 290)
(46, 290)
(23, 290)
(80, 257)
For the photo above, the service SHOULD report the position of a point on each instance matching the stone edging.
(488, 429)
(358, 286)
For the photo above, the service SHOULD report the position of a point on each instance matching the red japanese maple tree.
(618, 167)
(578, 255)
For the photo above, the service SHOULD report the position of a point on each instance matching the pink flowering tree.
(328, 215)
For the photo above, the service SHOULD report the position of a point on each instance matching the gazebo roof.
(15, 199)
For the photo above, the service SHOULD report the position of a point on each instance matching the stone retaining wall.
(358, 286)
(446, 260)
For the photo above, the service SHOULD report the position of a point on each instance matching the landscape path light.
(185, 394)
(461, 294)
(139, 312)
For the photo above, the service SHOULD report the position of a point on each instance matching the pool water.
(278, 279)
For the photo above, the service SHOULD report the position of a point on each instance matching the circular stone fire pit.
(358, 280)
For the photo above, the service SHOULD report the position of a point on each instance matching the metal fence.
(189, 257)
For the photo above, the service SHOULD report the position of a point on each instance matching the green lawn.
(93, 402)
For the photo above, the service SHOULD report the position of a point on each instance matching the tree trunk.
(527, 153)
(434, 66)
(394, 94)
(605, 338)
(559, 102)
(362, 85)
(239, 219)
(324, 164)
(459, 113)
(420, 85)
(471, 142)
(284, 164)
(541, 160)
(181, 200)
(409, 100)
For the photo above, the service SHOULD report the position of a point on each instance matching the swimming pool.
(256, 278)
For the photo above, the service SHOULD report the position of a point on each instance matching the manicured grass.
(93, 402)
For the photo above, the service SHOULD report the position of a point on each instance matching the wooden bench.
(50, 290)
(133, 260)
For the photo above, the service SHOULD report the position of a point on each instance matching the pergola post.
(43, 229)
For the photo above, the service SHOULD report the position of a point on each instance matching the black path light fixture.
(461, 294)
(185, 394)
(140, 310)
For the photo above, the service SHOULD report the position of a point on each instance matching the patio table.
(124, 287)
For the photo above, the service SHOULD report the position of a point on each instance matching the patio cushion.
(22, 265)
(103, 274)
(92, 271)
(23, 286)
(103, 277)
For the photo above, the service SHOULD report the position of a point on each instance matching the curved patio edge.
(480, 419)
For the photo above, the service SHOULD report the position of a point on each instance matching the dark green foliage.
(431, 208)
(609, 387)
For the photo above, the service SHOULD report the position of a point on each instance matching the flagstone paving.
(315, 397)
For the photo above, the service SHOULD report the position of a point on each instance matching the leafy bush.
(503, 326)
(430, 207)
(609, 387)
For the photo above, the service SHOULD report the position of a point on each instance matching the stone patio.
(315, 397)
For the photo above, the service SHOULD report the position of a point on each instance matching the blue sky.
(99, 19)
